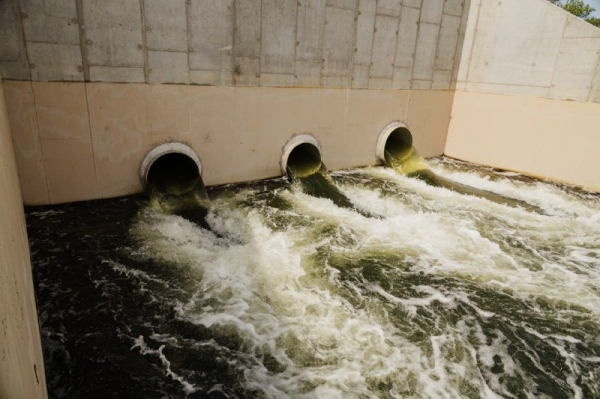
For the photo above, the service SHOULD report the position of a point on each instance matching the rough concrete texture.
(530, 48)
(69, 147)
(310, 43)
(21, 363)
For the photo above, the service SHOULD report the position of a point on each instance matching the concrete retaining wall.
(529, 48)
(80, 141)
(364, 63)
(557, 140)
(521, 61)
(21, 364)
(385, 44)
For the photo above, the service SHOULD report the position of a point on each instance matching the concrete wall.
(377, 44)
(21, 364)
(80, 141)
(557, 140)
(530, 48)
(521, 60)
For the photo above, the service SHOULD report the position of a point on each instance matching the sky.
(596, 5)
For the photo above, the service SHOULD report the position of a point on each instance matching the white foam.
(334, 337)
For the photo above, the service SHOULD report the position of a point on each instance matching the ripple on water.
(423, 293)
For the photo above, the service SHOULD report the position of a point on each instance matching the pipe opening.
(395, 149)
(174, 174)
(304, 160)
(302, 155)
(398, 146)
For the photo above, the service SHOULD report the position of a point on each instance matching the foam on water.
(422, 292)
(298, 291)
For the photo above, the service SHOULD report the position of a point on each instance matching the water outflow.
(289, 296)
(400, 155)
(307, 171)
(175, 187)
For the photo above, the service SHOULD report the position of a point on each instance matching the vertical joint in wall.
(24, 57)
(144, 41)
(82, 41)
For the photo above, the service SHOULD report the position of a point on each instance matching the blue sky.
(596, 5)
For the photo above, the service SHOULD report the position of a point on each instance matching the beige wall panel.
(548, 138)
(369, 111)
(169, 114)
(331, 127)
(284, 113)
(21, 363)
(213, 113)
(70, 170)
(238, 132)
(427, 116)
(24, 128)
(62, 110)
(120, 133)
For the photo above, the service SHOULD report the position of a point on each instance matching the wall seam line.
(259, 83)
(187, 35)
(144, 40)
(233, 35)
(350, 69)
(39, 140)
(372, 45)
(87, 104)
(596, 72)
(295, 40)
(24, 55)
(396, 45)
(437, 49)
(562, 39)
(456, 61)
(473, 44)
(82, 41)
(322, 59)
(414, 54)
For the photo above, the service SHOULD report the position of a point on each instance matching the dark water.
(286, 294)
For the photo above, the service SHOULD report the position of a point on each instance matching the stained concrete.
(312, 43)
(166, 25)
(529, 48)
(69, 147)
(21, 364)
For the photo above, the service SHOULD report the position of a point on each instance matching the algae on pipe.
(400, 155)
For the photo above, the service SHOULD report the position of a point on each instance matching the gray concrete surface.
(530, 48)
(329, 43)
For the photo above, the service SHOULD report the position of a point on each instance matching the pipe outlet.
(173, 164)
(395, 137)
(301, 152)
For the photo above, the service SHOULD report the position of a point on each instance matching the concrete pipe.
(302, 152)
(395, 136)
(171, 165)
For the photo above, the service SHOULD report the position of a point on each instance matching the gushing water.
(287, 294)
(401, 156)
(309, 174)
(178, 190)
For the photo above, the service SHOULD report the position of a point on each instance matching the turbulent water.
(419, 292)
(406, 160)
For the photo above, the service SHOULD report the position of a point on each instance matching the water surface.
(414, 291)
